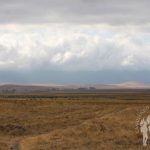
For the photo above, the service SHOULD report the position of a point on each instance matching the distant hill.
(127, 86)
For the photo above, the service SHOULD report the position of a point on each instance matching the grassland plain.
(103, 121)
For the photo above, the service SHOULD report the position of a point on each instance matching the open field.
(103, 121)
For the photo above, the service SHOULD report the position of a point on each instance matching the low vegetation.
(71, 121)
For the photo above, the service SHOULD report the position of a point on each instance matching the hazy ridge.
(127, 86)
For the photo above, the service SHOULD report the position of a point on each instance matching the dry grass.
(91, 123)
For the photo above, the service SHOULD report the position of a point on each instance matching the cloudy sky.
(74, 41)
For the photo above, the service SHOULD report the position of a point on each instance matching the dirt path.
(15, 145)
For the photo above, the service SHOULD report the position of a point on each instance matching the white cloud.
(128, 61)
(74, 47)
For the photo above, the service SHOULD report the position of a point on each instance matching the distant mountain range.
(53, 88)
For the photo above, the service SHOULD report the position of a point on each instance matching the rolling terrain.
(74, 88)
(72, 121)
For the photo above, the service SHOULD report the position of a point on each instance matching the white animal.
(144, 131)
(148, 121)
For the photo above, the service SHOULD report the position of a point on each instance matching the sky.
(74, 41)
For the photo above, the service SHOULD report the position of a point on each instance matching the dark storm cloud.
(86, 77)
(78, 11)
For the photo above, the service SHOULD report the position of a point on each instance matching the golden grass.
(84, 123)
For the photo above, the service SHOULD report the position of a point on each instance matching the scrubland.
(103, 121)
